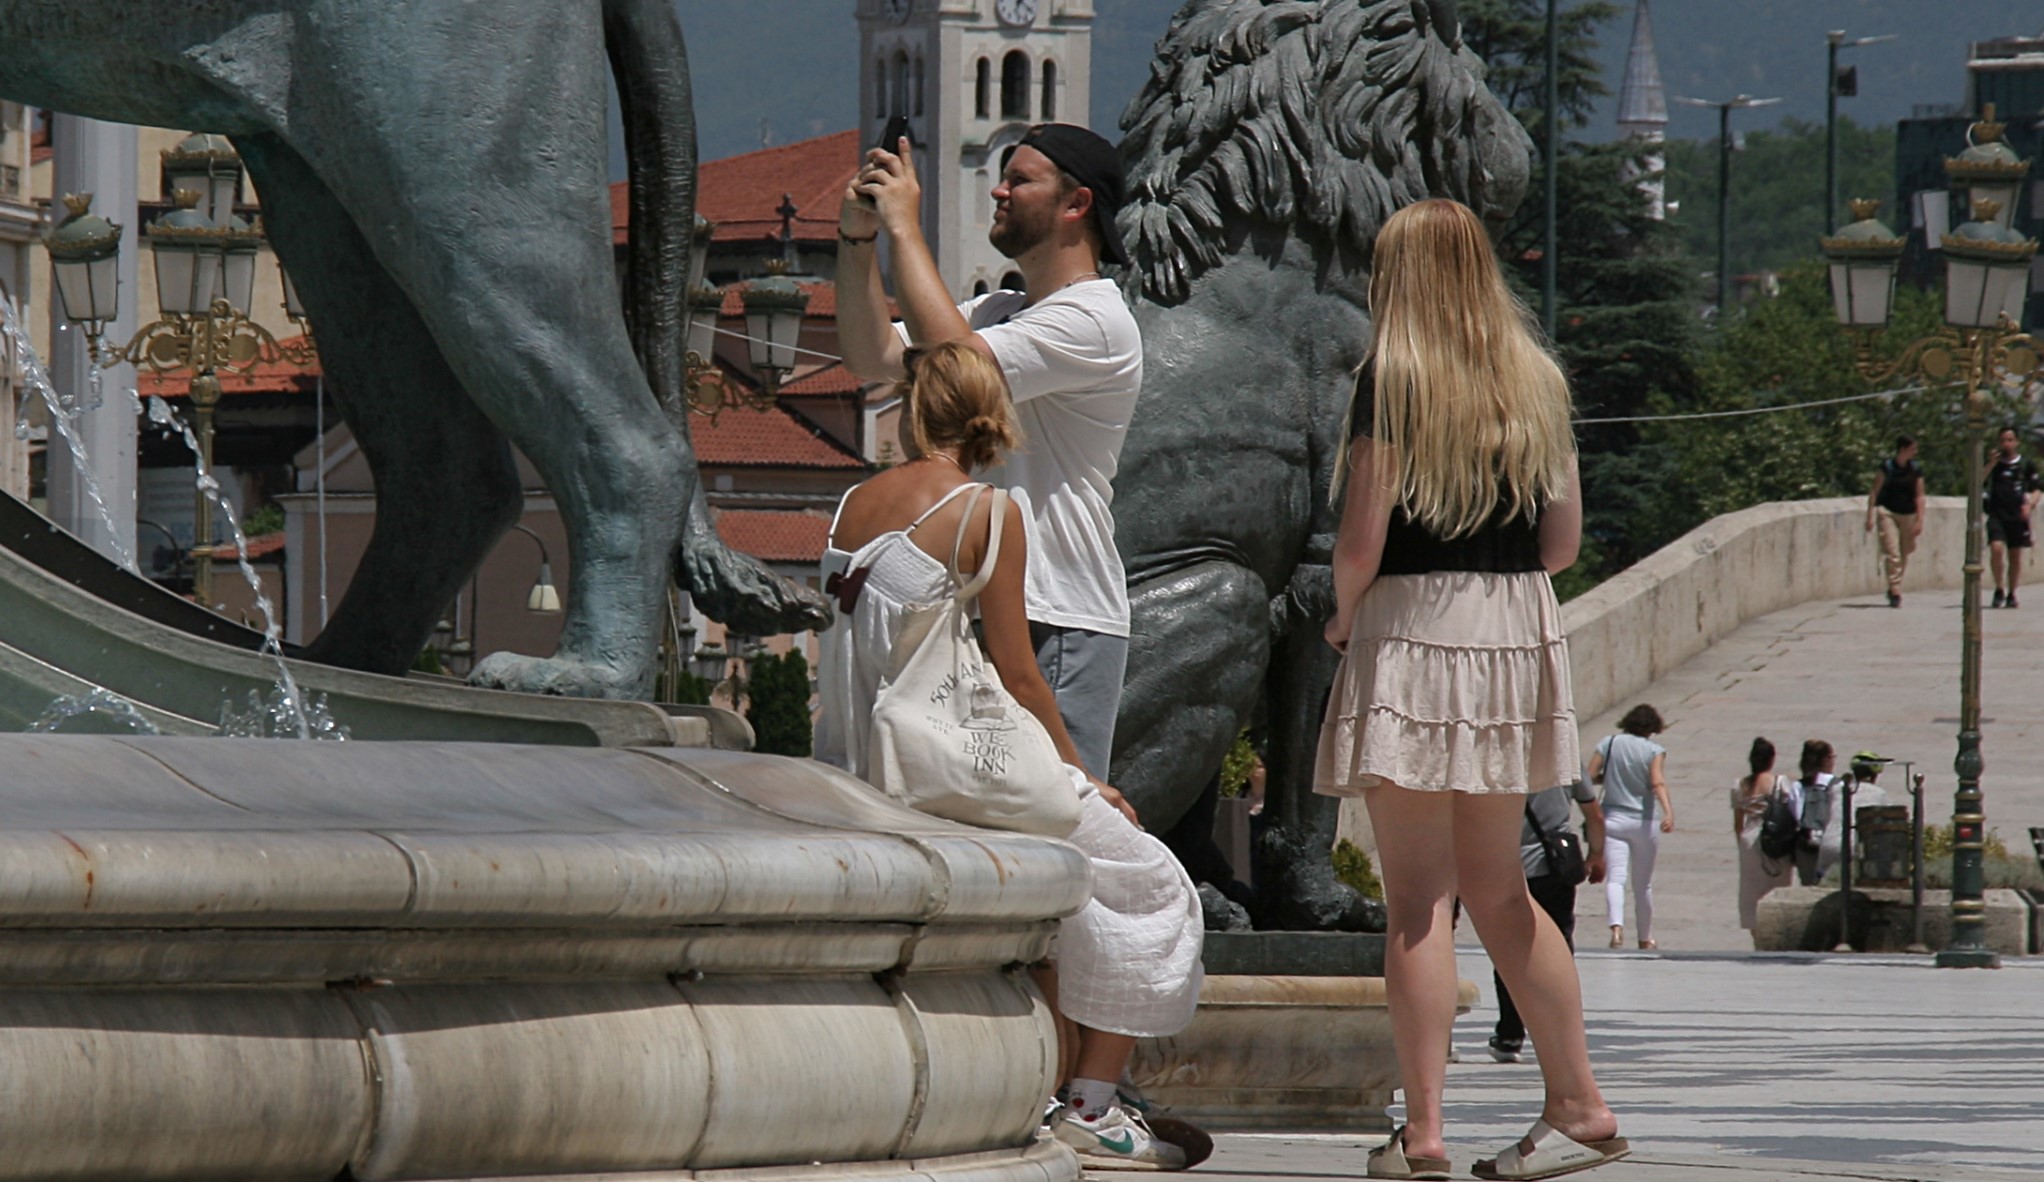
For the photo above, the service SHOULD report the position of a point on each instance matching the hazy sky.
(787, 69)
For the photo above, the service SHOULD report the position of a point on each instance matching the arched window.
(917, 87)
(1015, 85)
(880, 87)
(979, 287)
(1013, 281)
(1049, 91)
(982, 89)
(900, 83)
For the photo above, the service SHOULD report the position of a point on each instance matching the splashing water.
(286, 689)
(95, 712)
(279, 716)
(64, 412)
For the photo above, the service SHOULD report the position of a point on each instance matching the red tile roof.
(822, 299)
(258, 546)
(741, 437)
(832, 379)
(741, 193)
(267, 377)
(775, 535)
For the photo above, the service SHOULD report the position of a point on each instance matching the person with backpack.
(2012, 491)
(1896, 505)
(1758, 793)
(1810, 798)
(1557, 861)
(1633, 770)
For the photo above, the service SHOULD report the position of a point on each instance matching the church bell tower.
(971, 76)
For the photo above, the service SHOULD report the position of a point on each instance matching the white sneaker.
(1116, 1140)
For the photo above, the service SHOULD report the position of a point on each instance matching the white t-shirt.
(1074, 361)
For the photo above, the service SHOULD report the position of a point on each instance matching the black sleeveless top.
(1503, 544)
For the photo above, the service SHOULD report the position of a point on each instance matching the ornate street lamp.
(1862, 261)
(1989, 169)
(205, 278)
(774, 309)
(85, 253)
(209, 166)
(1982, 346)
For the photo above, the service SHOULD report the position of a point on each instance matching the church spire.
(1643, 112)
(1642, 103)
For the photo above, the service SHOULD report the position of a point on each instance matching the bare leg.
(1045, 976)
(1103, 1055)
(1419, 949)
(2015, 570)
(1995, 560)
(1530, 954)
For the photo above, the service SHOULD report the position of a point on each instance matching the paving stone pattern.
(1858, 675)
(1744, 1066)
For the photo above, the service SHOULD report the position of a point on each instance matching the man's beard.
(1016, 236)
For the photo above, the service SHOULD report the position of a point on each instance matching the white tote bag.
(947, 739)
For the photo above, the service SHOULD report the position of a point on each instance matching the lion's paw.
(563, 677)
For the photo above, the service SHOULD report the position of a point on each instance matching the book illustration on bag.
(989, 732)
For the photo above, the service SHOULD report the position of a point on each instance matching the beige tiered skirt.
(1456, 680)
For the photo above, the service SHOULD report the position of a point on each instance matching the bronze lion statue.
(433, 173)
(1273, 139)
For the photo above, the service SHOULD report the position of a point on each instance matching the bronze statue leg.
(480, 185)
(445, 481)
(1199, 641)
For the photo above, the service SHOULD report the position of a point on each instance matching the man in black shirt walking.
(1896, 505)
(2012, 488)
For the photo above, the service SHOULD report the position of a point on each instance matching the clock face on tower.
(895, 10)
(1015, 12)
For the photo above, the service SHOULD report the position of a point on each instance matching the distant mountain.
(772, 71)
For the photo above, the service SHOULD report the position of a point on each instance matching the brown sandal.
(1391, 1161)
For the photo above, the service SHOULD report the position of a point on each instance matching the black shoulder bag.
(1564, 850)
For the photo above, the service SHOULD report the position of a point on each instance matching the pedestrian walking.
(1452, 700)
(1758, 874)
(2012, 491)
(1633, 770)
(1542, 850)
(1895, 505)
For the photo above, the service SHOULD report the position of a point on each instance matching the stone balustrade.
(1640, 624)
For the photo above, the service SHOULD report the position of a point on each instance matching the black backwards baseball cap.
(1093, 162)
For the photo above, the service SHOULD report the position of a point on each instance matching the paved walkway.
(1857, 675)
(1742, 1067)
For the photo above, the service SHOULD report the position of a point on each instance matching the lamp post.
(1982, 346)
(1838, 86)
(205, 275)
(1724, 110)
(543, 598)
(774, 309)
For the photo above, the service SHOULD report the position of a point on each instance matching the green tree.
(778, 688)
(1783, 352)
(1625, 316)
(1777, 186)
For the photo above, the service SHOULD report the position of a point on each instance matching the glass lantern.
(85, 254)
(187, 251)
(209, 166)
(1862, 260)
(774, 309)
(238, 247)
(1987, 271)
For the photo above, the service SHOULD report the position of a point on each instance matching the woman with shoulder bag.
(1633, 770)
(1127, 965)
(1758, 874)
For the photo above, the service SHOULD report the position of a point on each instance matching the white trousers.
(1630, 843)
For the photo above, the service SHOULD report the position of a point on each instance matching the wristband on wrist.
(848, 240)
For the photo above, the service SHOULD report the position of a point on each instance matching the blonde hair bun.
(956, 399)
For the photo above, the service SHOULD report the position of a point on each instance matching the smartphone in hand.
(890, 141)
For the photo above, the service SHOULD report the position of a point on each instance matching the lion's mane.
(1317, 116)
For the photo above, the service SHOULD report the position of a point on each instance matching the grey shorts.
(1085, 671)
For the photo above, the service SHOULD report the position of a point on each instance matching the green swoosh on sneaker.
(1123, 1141)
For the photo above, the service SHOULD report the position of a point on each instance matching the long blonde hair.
(956, 397)
(1469, 401)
